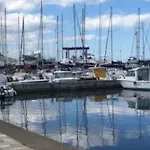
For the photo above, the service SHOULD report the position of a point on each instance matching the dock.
(8, 143)
(22, 87)
(13, 136)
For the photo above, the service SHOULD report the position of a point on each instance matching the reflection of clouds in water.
(85, 141)
(134, 134)
(33, 111)
(119, 109)
(95, 120)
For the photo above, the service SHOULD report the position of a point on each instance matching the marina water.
(105, 120)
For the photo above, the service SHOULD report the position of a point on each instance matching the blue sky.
(124, 18)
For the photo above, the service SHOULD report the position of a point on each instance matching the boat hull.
(137, 85)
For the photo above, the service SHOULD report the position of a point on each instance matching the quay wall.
(31, 139)
(64, 86)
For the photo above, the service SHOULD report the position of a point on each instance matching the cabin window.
(143, 74)
(63, 75)
(130, 73)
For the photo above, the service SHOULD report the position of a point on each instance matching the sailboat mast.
(19, 53)
(111, 28)
(22, 51)
(57, 39)
(143, 41)
(41, 31)
(106, 46)
(138, 36)
(5, 35)
(82, 37)
(74, 18)
(2, 49)
(83, 32)
(100, 32)
(62, 32)
(23, 39)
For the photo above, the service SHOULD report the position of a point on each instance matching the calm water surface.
(110, 121)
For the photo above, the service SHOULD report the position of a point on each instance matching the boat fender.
(134, 82)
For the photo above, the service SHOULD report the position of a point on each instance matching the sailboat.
(139, 77)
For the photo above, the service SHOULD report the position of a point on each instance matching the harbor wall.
(64, 86)
(31, 139)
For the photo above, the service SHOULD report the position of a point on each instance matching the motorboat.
(137, 78)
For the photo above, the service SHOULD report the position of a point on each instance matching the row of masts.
(21, 40)
(82, 33)
(139, 28)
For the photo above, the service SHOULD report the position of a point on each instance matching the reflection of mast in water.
(111, 117)
(5, 103)
(140, 125)
(64, 104)
(25, 113)
(3, 112)
(77, 122)
(138, 113)
(7, 112)
(102, 122)
(86, 120)
(21, 103)
(59, 119)
(113, 124)
(109, 114)
(43, 116)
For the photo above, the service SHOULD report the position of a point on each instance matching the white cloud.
(19, 4)
(88, 37)
(25, 5)
(32, 22)
(65, 3)
(119, 20)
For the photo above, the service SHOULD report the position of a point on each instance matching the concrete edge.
(31, 139)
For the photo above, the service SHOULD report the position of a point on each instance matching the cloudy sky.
(124, 19)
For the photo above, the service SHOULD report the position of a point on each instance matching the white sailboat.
(137, 78)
